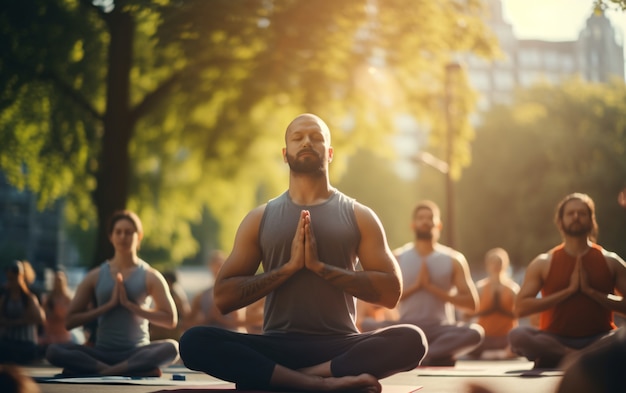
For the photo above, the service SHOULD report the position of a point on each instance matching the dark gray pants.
(249, 360)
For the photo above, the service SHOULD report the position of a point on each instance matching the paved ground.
(504, 376)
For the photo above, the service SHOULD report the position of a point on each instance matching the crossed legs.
(304, 362)
(545, 349)
(90, 360)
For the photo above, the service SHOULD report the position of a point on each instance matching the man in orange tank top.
(581, 286)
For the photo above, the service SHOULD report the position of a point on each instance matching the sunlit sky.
(553, 20)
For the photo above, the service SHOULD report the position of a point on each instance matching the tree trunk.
(113, 173)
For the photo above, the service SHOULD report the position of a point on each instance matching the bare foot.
(364, 383)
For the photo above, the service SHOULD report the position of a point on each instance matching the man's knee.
(412, 340)
(518, 336)
(188, 342)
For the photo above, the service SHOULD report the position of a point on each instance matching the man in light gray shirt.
(436, 280)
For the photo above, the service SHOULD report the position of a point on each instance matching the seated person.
(497, 294)
(20, 316)
(14, 380)
(367, 313)
(308, 241)
(56, 304)
(121, 287)
(182, 310)
(204, 312)
(436, 280)
(579, 282)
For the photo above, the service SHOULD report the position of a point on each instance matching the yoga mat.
(118, 380)
(485, 371)
(230, 388)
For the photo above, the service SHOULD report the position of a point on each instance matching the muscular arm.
(163, 313)
(610, 301)
(466, 296)
(527, 302)
(380, 281)
(236, 284)
(79, 312)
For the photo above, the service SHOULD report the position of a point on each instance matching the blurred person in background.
(581, 285)
(437, 282)
(14, 380)
(183, 309)
(116, 294)
(20, 316)
(497, 293)
(56, 305)
(204, 312)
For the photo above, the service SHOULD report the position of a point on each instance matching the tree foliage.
(552, 141)
(601, 5)
(173, 107)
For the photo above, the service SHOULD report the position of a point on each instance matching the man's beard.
(582, 230)
(423, 235)
(308, 165)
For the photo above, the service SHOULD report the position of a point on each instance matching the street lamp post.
(451, 69)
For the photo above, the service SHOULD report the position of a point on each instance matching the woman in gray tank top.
(120, 287)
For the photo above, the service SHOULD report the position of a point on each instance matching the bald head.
(308, 121)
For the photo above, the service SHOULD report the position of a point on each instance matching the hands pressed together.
(119, 295)
(423, 279)
(579, 281)
(304, 246)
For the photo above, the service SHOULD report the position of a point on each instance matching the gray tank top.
(306, 303)
(119, 329)
(422, 307)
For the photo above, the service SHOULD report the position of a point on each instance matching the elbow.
(224, 309)
(391, 303)
(173, 321)
(391, 299)
(69, 325)
(222, 305)
(519, 312)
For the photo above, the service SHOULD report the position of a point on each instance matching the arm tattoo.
(259, 282)
(355, 283)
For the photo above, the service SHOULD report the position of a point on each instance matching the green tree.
(601, 5)
(551, 141)
(161, 106)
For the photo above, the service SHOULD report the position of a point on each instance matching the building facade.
(596, 56)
